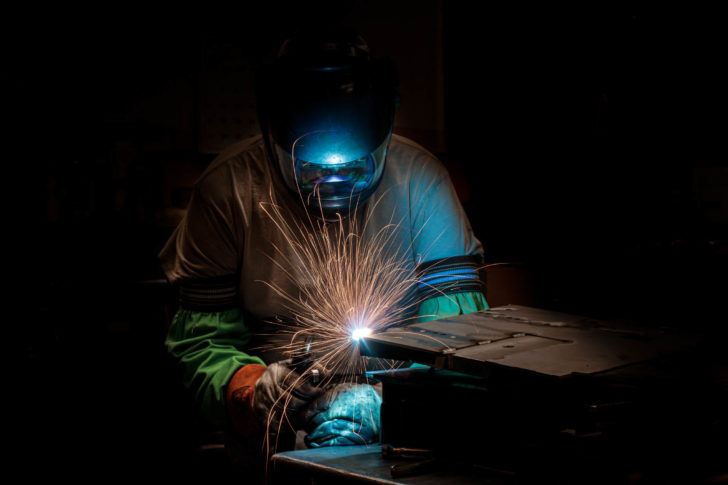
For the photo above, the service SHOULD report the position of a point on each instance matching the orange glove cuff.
(239, 398)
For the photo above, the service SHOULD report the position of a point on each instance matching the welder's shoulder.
(407, 155)
(241, 163)
(240, 149)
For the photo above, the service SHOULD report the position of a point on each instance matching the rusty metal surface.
(530, 339)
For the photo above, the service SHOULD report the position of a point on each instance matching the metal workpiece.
(519, 395)
(528, 339)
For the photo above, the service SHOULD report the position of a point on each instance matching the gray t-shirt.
(227, 237)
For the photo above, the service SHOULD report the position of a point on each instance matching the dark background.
(588, 148)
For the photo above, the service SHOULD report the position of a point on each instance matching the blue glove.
(346, 414)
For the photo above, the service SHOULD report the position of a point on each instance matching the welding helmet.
(326, 110)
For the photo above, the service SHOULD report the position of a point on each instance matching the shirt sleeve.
(208, 337)
(208, 242)
(440, 226)
(210, 346)
(448, 255)
(451, 305)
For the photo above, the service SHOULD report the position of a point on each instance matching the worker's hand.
(239, 399)
(260, 397)
(346, 414)
(280, 394)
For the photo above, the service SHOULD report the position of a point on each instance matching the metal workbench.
(367, 465)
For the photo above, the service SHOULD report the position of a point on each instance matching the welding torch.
(302, 363)
(301, 360)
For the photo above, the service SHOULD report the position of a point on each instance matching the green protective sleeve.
(444, 306)
(210, 348)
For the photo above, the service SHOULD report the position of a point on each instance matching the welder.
(326, 108)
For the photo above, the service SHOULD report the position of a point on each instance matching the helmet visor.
(337, 174)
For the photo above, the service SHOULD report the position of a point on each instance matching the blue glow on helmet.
(334, 159)
(330, 179)
(327, 111)
(333, 167)
(329, 147)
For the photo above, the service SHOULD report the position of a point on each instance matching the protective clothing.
(346, 414)
(327, 110)
(210, 347)
(451, 305)
(239, 398)
(261, 398)
(280, 394)
(225, 247)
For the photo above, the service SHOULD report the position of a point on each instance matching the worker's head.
(327, 110)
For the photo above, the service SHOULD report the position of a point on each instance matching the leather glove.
(261, 397)
(239, 399)
(281, 391)
(346, 414)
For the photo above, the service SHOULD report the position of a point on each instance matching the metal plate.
(531, 339)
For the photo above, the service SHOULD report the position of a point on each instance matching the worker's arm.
(444, 306)
(450, 257)
(228, 384)
(210, 347)
(208, 336)
(450, 286)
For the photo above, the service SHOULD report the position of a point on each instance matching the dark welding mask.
(327, 111)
